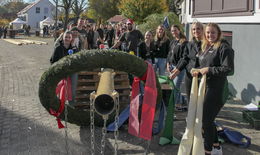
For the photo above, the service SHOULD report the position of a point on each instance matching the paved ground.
(26, 128)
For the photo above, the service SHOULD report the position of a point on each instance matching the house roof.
(116, 19)
(28, 7)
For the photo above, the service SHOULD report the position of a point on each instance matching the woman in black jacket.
(61, 50)
(62, 47)
(177, 50)
(216, 60)
(162, 44)
(145, 48)
(192, 48)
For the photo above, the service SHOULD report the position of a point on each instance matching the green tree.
(3, 11)
(138, 10)
(154, 20)
(4, 22)
(101, 10)
(15, 6)
(10, 9)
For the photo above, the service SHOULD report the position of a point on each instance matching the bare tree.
(78, 7)
(66, 5)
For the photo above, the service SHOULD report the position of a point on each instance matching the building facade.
(240, 22)
(36, 12)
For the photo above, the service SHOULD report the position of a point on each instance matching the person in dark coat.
(162, 44)
(192, 48)
(216, 60)
(1, 31)
(145, 48)
(100, 31)
(131, 38)
(110, 36)
(5, 31)
(177, 51)
(61, 50)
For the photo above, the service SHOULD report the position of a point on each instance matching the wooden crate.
(88, 82)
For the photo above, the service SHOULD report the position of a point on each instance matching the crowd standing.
(3, 31)
(206, 51)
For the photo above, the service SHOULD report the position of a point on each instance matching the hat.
(129, 21)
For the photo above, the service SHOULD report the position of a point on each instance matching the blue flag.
(166, 23)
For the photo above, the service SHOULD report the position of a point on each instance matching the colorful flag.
(166, 23)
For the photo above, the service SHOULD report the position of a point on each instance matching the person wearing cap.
(131, 37)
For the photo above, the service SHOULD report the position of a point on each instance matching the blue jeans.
(177, 82)
(160, 63)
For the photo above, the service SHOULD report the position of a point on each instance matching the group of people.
(3, 31)
(214, 57)
(207, 51)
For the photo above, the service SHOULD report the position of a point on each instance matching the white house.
(239, 21)
(36, 12)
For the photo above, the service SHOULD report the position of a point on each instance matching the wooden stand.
(88, 82)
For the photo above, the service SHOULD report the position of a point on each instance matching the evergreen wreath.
(87, 60)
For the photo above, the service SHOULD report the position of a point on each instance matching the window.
(46, 10)
(214, 8)
(38, 9)
(227, 35)
(23, 18)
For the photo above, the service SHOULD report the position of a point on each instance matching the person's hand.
(195, 73)
(174, 73)
(168, 67)
(204, 70)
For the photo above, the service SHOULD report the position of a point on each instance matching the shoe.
(217, 151)
(178, 108)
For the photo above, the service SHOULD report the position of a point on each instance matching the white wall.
(34, 18)
(245, 83)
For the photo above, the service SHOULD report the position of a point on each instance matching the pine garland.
(87, 60)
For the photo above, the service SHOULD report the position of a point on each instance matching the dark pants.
(213, 102)
(5, 34)
(212, 105)
(188, 82)
(109, 43)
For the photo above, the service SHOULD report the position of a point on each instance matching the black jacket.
(176, 53)
(161, 48)
(60, 51)
(220, 62)
(144, 52)
(189, 59)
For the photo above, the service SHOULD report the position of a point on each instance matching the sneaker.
(178, 109)
(217, 151)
